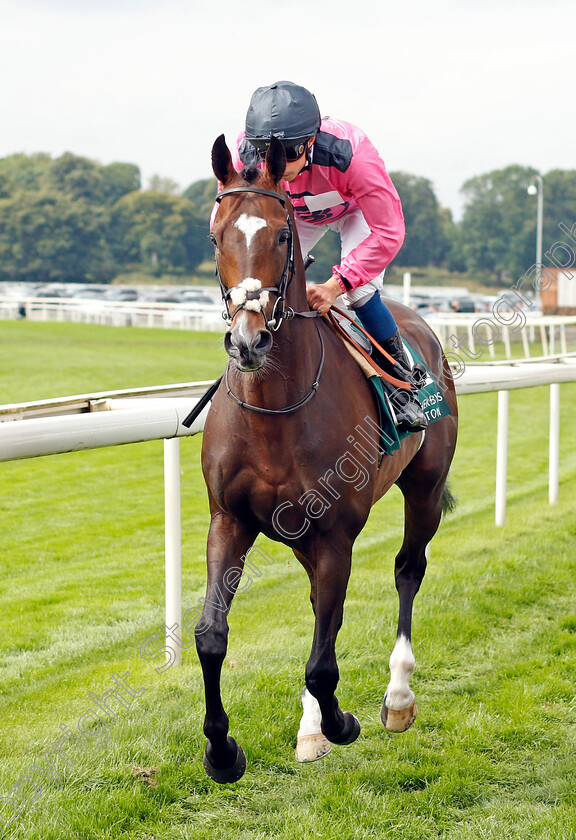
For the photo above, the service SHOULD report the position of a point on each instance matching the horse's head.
(254, 243)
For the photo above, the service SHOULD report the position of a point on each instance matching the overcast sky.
(446, 89)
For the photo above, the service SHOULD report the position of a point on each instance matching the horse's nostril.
(263, 343)
(229, 345)
(249, 351)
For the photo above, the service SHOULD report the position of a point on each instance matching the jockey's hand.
(323, 295)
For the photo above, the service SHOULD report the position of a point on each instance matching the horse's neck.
(295, 343)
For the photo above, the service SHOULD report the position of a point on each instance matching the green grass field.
(493, 752)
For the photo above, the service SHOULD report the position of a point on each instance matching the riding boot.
(379, 322)
(410, 416)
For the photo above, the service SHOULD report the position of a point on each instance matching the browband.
(233, 190)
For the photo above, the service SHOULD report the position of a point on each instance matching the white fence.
(548, 330)
(108, 313)
(477, 333)
(28, 430)
(90, 421)
(504, 377)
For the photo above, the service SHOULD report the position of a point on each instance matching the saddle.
(366, 352)
(369, 354)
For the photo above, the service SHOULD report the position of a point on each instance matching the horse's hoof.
(350, 732)
(226, 775)
(398, 721)
(312, 747)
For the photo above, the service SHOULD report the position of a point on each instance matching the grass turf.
(492, 752)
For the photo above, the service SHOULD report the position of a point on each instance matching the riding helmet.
(285, 110)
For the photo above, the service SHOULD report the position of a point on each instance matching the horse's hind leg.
(330, 579)
(311, 743)
(423, 494)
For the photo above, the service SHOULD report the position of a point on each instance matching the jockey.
(335, 179)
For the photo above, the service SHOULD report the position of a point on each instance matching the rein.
(397, 383)
(289, 408)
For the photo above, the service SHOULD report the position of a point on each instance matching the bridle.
(279, 313)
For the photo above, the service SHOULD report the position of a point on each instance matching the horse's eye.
(213, 240)
(284, 236)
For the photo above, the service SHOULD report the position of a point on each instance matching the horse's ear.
(222, 165)
(275, 160)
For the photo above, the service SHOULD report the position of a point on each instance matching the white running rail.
(28, 430)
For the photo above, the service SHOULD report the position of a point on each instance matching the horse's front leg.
(228, 542)
(332, 571)
(311, 743)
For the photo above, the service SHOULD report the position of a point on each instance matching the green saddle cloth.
(431, 398)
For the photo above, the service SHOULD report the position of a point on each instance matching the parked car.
(463, 305)
(121, 294)
(199, 296)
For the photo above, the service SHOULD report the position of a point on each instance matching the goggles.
(294, 149)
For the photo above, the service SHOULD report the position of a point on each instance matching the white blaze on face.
(249, 225)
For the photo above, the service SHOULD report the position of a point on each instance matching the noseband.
(278, 313)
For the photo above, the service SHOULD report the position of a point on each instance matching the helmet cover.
(285, 110)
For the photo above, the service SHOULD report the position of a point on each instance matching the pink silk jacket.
(346, 172)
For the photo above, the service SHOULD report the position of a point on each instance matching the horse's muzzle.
(249, 351)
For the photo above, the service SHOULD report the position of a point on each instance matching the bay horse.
(281, 427)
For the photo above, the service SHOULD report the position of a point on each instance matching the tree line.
(74, 220)
(71, 219)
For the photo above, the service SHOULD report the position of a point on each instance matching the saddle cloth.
(430, 394)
